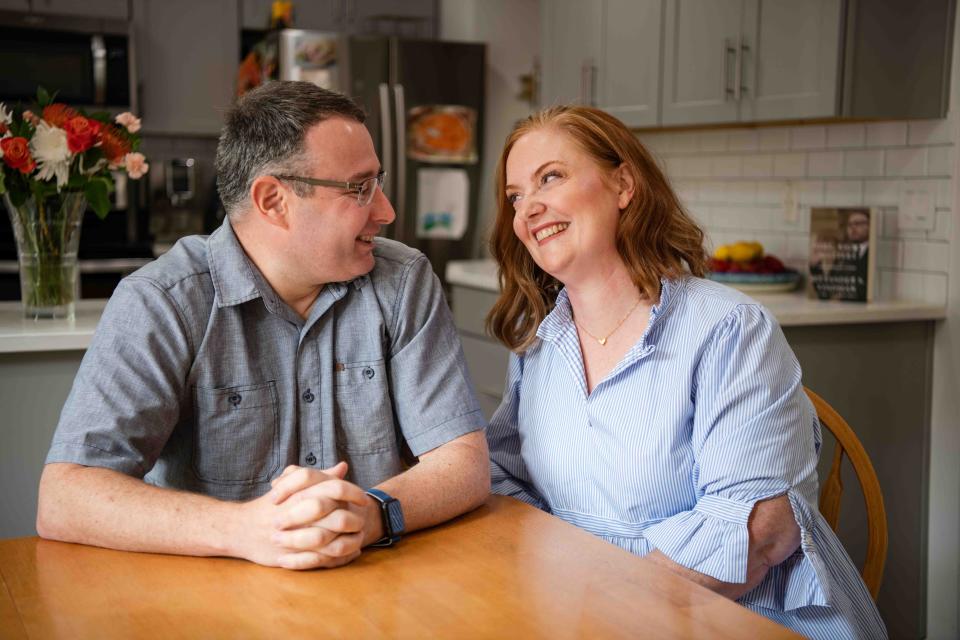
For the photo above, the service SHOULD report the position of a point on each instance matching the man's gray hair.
(265, 132)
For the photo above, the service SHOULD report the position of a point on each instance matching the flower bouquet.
(54, 162)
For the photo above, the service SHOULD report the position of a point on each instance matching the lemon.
(722, 252)
(741, 252)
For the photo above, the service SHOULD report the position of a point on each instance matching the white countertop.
(790, 309)
(18, 334)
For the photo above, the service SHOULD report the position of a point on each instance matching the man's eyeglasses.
(364, 189)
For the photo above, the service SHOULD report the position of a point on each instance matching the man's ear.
(271, 200)
(626, 185)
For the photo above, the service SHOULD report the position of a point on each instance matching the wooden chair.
(847, 442)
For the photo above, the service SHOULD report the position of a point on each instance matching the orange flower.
(114, 144)
(58, 114)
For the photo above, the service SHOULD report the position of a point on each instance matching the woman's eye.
(513, 198)
(549, 176)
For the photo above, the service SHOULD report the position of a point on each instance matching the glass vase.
(48, 234)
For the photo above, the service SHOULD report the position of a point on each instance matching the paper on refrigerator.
(443, 197)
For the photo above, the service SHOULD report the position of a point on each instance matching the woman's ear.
(271, 200)
(626, 185)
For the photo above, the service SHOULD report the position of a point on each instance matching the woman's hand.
(774, 536)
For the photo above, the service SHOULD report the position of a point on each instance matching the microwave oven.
(90, 62)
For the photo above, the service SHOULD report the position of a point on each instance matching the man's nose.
(382, 211)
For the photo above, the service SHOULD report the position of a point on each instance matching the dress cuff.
(712, 538)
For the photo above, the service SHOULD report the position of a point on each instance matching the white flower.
(50, 150)
(136, 165)
(128, 120)
(5, 116)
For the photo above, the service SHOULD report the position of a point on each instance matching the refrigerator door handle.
(386, 137)
(401, 199)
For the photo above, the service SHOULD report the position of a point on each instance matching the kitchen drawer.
(470, 308)
(487, 362)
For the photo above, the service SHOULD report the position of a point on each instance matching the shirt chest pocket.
(236, 432)
(363, 411)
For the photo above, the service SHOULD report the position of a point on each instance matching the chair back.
(847, 442)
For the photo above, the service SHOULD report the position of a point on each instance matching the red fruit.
(772, 264)
(718, 266)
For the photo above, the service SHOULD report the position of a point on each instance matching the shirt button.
(234, 399)
(311, 459)
(308, 397)
(368, 373)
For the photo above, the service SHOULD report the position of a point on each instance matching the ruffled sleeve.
(508, 473)
(754, 436)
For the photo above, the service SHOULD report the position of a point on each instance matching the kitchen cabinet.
(750, 60)
(603, 53)
(115, 9)
(187, 59)
(15, 5)
(411, 18)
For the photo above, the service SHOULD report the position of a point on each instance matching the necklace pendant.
(602, 341)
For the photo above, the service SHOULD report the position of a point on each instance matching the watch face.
(395, 515)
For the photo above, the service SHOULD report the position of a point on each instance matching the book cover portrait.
(842, 248)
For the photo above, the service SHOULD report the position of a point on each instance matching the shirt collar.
(560, 319)
(236, 279)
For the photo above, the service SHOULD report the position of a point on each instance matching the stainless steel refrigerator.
(425, 104)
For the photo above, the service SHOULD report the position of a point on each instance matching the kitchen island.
(38, 361)
(873, 362)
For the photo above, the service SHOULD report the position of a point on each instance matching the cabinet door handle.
(584, 94)
(588, 82)
(742, 53)
(725, 76)
(386, 135)
(738, 71)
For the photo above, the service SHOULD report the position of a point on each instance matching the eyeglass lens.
(367, 189)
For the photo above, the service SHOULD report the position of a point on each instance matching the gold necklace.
(603, 340)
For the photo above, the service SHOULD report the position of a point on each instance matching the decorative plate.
(758, 282)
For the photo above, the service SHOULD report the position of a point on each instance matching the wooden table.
(505, 570)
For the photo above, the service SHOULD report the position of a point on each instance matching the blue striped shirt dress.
(702, 418)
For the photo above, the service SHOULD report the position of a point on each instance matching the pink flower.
(31, 117)
(136, 165)
(129, 121)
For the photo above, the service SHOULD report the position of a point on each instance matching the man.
(243, 390)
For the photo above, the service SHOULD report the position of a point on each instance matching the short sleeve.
(433, 396)
(753, 437)
(127, 396)
(508, 473)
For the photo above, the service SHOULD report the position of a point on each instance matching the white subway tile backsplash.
(808, 138)
(929, 132)
(845, 136)
(825, 164)
(727, 217)
(759, 183)
(726, 166)
(926, 256)
(942, 226)
(809, 192)
(840, 193)
(771, 192)
(905, 162)
(886, 134)
(881, 193)
(863, 164)
(940, 161)
(890, 254)
(758, 166)
(789, 165)
(743, 140)
(774, 139)
(713, 141)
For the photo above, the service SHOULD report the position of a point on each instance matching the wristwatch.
(392, 514)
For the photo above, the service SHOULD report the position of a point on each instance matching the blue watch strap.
(392, 517)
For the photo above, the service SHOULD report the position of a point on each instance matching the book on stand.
(842, 264)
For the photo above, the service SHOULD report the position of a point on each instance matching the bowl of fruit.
(745, 266)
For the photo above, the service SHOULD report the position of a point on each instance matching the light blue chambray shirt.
(200, 378)
(702, 418)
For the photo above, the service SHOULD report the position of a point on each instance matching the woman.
(657, 410)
